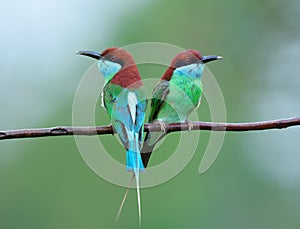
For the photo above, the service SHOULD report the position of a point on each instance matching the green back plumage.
(173, 100)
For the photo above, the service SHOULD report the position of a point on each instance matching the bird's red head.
(186, 57)
(128, 76)
(118, 55)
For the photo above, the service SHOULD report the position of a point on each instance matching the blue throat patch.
(192, 70)
(108, 69)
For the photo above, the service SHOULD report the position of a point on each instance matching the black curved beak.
(91, 54)
(206, 59)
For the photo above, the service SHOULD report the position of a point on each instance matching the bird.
(124, 99)
(176, 95)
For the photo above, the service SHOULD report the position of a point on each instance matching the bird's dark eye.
(188, 61)
(113, 58)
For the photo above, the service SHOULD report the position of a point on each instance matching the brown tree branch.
(100, 130)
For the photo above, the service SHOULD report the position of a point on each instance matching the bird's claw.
(190, 124)
(163, 126)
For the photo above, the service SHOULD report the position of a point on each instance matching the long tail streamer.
(124, 198)
(137, 177)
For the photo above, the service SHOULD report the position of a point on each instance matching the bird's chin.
(199, 70)
(192, 70)
(103, 70)
(108, 68)
(196, 72)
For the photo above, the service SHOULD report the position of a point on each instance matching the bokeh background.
(255, 182)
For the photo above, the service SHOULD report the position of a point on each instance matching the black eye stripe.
(185, 62)
(114, 59)
(119, 61)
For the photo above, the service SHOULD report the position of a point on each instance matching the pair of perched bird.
(176, 95)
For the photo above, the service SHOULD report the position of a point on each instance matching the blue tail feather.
(134, 162)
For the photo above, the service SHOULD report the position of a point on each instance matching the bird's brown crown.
(184, 58)
(128, 76)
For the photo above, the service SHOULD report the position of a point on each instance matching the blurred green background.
(255, 182)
